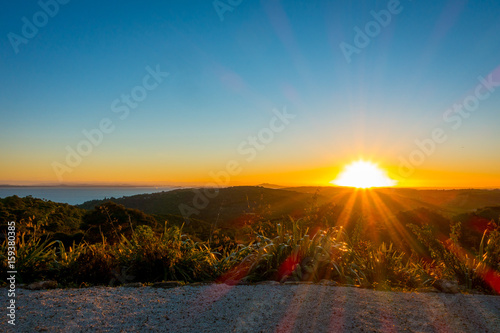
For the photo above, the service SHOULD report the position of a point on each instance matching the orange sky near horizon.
(287, 176)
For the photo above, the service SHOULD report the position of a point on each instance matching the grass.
(33, 254)
(288, 253)
(472, 270)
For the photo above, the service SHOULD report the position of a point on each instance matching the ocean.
(77, 195)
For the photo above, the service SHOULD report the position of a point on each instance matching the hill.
(380, 214)
(227, 205)
(447, 202)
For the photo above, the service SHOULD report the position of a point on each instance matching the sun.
(363, 174)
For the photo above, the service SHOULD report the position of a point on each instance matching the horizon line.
(268, 185)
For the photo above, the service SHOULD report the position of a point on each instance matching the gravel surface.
(250, 308)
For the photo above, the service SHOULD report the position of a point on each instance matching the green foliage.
(33, 255)
(385, 268)
(149, 257)
(65, 267)
(55, 217)
(489, 248)
(113, 220)
(145, 256)
(227, 207)
(473, 271)
(115, 244)
(476, 223)
(328, 254)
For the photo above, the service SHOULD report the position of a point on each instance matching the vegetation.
(116, 245)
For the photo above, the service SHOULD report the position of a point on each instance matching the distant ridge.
(272, 186)
(83, 185)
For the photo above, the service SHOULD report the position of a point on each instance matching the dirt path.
(252, 308)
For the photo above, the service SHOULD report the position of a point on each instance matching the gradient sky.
(227, 76)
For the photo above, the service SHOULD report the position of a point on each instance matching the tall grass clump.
(472, 270)
(149, 257)
(34, 253)
(144, 256)
(386, 268)
(294, 255)
(94, 264)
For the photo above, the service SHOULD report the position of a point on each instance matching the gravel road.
(250, 308)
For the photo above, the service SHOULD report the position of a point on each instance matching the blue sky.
(226, 77)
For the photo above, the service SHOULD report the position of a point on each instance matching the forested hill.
(236, 209)
(225, 204)
(448, 201)
(230, 204)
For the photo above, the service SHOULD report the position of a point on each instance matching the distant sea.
(77, 195)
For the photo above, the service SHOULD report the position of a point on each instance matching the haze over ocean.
(77, 195)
